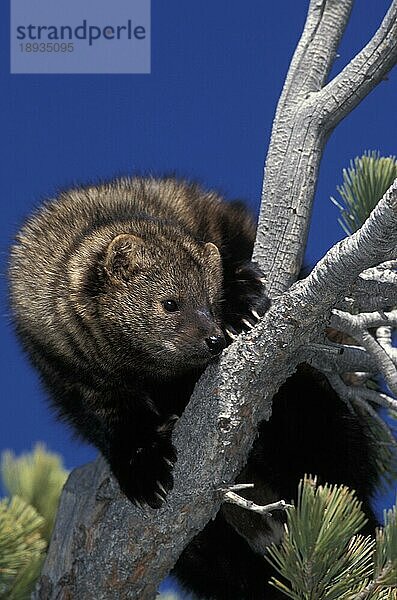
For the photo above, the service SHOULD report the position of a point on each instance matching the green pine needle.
(20, 542)
(23, 584)
(37, 477)
(322, 555)
(35, 481)
(386, 549)
(364, 184)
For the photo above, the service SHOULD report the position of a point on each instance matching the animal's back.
(52, 235)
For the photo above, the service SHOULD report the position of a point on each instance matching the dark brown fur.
(89, 275)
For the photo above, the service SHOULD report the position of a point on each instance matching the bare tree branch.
(339, 358)
(315, 52)
(383, 336)
(353, 393)
(362, 73)
(374, 290)
(355, 324)
(233, 498)
(357, 327)
(304, 118)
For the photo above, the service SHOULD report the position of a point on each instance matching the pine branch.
(24, 582)
(38, 478)
(323, 557)
(21, 544)
(364, 184)
(385, 571)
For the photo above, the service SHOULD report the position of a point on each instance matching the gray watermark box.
(80, 36)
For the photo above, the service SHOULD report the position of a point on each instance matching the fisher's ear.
(213, 261)
(212, 252)
(124, 257)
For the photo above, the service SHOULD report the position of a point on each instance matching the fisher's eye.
(170, 306)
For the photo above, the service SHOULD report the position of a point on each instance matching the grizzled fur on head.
(142, 275)
(97, 271)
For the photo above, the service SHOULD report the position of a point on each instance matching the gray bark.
(306, 114)
(102, 546)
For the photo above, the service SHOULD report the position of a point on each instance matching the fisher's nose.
(215, 343)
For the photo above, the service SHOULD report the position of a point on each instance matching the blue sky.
(205, 112)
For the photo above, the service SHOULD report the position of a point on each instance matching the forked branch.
(306, 114)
